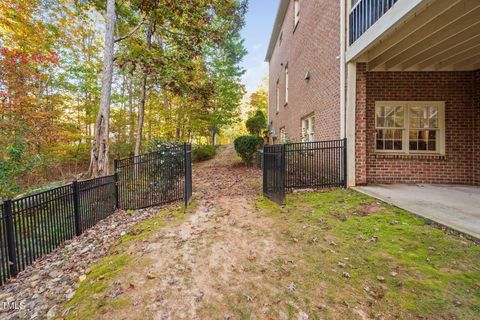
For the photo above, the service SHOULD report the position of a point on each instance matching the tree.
(141, 110)
(257, 124)
(99, 163)
(259, 98)
(72, 90)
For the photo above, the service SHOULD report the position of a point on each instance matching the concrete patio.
(457, 207)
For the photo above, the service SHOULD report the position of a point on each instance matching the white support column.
(350, 121)
(343, 41)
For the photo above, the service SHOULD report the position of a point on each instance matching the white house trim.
(398, 13)
(277, 27)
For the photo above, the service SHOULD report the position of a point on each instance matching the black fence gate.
(320, 164)
(155, 178)
(274, 172)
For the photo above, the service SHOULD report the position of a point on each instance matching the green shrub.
(156, 144)
(203, 152)
(246, 146)
(170, 166)
(257, 125)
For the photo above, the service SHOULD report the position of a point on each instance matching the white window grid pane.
(424, 128)
(390, 117)
(420, 125)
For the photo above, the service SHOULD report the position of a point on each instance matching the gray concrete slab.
(457, 207)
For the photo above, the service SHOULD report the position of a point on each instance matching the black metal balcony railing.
(364, 14)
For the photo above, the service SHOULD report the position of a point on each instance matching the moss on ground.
(93, 296)
(376, 257)
(150, 226)
(90, 295)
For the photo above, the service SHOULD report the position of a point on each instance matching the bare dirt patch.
(199, 268)
(234, 255)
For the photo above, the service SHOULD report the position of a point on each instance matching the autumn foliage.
(51, 55)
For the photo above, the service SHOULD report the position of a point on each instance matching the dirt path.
(203, 267)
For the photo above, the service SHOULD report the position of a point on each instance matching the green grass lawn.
(363, 258)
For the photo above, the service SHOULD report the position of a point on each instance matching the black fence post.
(185, 169)
(283, 169)
(115, 175)
(264, 170)
(345, 169)
(76, 208)
(12, 252)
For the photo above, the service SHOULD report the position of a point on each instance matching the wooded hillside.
(84, 82)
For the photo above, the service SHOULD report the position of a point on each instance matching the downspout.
(268, 106)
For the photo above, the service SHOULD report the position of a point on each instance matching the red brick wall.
(456, 89)
(477, 126)
(361, 125)
(314, 46)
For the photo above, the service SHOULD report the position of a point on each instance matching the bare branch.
(131, 32)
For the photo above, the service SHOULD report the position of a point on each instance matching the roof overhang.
(439, 36)
(281, 12)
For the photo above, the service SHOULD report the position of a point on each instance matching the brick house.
(400, 79)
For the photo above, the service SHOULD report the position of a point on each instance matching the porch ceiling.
(442, 36)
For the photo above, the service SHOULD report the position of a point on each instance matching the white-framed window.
(286, 84)
(297, 12)
(410, 127)
(283, 135)
(308, 129)
(277, 98)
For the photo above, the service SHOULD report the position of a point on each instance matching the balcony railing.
(364, 14)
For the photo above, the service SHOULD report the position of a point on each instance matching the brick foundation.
(459, 90)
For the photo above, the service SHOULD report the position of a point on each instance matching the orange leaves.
(10, 56)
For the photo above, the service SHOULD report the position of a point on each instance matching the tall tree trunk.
(99, 157)
(177, 131)
(131, 126)
(141, 107)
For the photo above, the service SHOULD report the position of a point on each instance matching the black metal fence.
(188, 190)
(259, 159)
(35, 225)
(155, 178)
(319, 164)
(274, 172)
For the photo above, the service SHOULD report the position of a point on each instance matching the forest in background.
(78, 78)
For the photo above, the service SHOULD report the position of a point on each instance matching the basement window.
(410, 127)
(283, 135)
(308, 129)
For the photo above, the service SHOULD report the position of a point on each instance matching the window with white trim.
(297, 12)
(283, 135)
(410, 127)
(308, 129)
(286, 84)
(277, 103)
